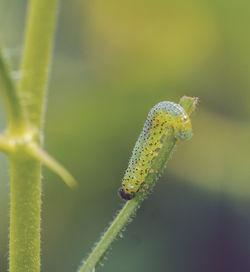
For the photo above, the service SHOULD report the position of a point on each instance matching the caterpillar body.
(160, 118)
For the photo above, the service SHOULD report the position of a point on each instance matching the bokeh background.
(112, 61)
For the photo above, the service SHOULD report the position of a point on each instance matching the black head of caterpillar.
(126, 196)
(162, 116)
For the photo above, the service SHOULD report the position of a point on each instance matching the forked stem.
(25, 108)
(25, 171)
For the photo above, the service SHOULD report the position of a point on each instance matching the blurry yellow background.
(113, 61)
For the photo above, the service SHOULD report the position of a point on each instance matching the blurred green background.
(113, 60)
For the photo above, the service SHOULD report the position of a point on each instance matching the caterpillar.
(162, 116)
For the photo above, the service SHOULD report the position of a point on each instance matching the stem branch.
(36, 60)
(39, 154)
(15, 114)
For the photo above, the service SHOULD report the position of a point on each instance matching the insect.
(160, 118)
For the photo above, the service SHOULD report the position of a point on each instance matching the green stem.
(130, 208)
(15, 113)
(24, 214)
(5, 145)
(38, 153)
(25, 171)
(36, 60)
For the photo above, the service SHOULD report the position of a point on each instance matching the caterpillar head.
(126, 196)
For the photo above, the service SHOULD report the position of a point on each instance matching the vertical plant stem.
(24, 214)
(37, 55)
(25, 171)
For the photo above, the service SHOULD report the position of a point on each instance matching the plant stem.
(36, 60)
(24, 214)
(4, 144)
(130, 208)
(25, 171)
(15, 114)
(38, 153)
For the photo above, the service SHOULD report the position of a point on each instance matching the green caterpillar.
(162, 116)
